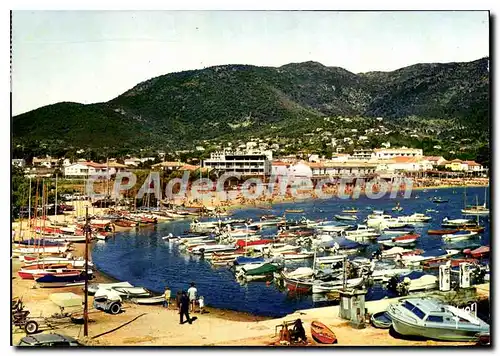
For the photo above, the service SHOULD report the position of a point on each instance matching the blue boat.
(54, 280)
(242, 260)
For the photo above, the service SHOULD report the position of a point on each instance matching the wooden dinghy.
(322, 334)
(381, 320)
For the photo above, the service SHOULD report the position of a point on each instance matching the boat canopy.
(241, 260)
(435, 252)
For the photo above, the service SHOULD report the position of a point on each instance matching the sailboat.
(476, 209)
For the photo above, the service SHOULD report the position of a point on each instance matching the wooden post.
(85, 305)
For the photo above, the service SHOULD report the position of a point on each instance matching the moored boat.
(479, 252)
(346, 217)
(460, 235)
(322, 334)
(381, 320)
(432, 319)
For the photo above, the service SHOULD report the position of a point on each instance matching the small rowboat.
(381, 320)
(322, 334)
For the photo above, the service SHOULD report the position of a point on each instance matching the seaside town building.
(388, 153)
(249, 162)
(84, 169)
(47, 162)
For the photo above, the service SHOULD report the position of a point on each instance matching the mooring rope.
(119, 327)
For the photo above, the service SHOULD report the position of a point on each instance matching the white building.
(87, 169)
(19, 162)
(48, 162)
(388, 153)
(362, 154)
(249, 162)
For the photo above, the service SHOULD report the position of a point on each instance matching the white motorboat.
(375, 220)
(335, 286)
(394, 251)
(346, 217)
(415, 218)
(362, 232)
(457, 222)
(93, 287)
(459, 236)
(202, 249)
(432, 319)
(332, 228)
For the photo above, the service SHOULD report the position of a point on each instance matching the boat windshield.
(435, 318)
(414, 309)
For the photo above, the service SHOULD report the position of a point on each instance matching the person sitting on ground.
(201, 303)
(298, 333)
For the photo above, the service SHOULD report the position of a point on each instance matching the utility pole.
(85, 306)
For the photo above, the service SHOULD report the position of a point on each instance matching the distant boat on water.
(295, 211)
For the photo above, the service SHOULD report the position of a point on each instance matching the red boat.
(243, 243)
(478, 252)
(298, 286)
(322, 334)
(406, 237)
(441, 232)
(413, 253)
(435, 263)
(125, 223)
(35, 273)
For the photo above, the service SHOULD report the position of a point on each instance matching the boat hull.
(404, 328)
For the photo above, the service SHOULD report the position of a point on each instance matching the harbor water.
(143, 258)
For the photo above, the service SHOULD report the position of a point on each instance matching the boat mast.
(29, 209)
(56, 200)
(485, 188)
(86, 293)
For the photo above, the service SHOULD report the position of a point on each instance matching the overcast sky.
(94, 56)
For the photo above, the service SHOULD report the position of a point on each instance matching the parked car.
(48, 340)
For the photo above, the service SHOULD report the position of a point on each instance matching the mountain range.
(179, 109)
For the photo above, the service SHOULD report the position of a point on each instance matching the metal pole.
(29, 209)
(56, 199)
(85, 306)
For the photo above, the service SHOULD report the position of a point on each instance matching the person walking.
(178, 300)
(192, 292)
(184, 308)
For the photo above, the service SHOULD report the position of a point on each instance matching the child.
(201, 302)
(167, 296)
